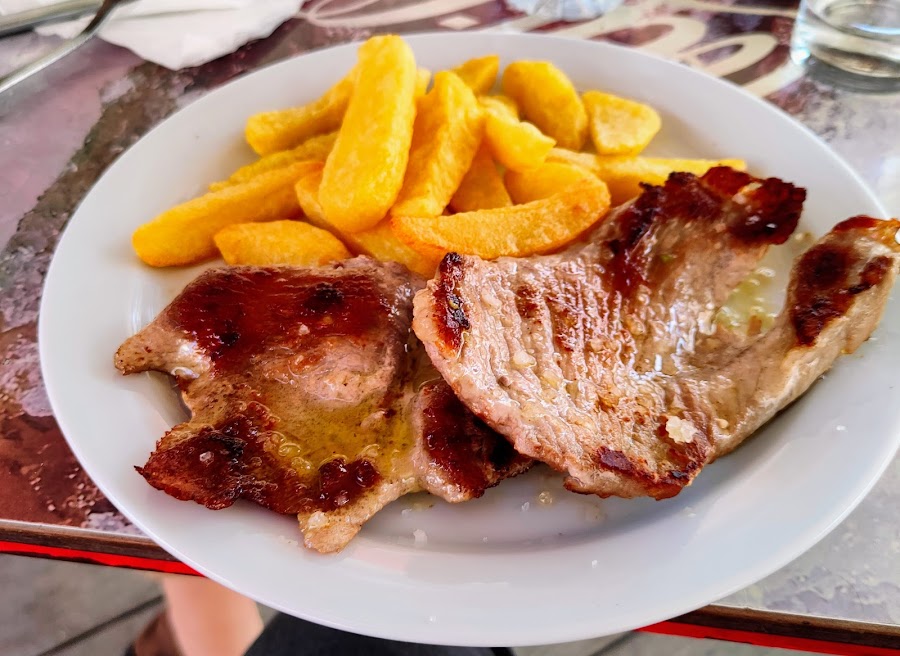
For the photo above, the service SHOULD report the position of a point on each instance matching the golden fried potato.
(314, 148)
(499, 101)
(479, 73)
(548, 99)
(382, 243)
(279, 242)
(423, 78)
(482, 187)
(543, 181)
(270, 132)
(276, 131)
(184, 234)
(619, 126)
(306, 189)
(379, 242)
(624, 175)
(536, 227)
(515, 144)
(364, 172)
(448, 129)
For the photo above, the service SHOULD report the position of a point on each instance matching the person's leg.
(289, 636)
(207, 618)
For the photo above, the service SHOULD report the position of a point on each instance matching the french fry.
(423, 78)
(515, 144)
(448, 129)
(379, 242)
(619, 126)
(548, 99)
(184, 234)
(270, 132)
(314, 148)
(479, 73)
(279, 242)
(543, 181)
(382, 243)
(482, 187)
(499, 101)
(519, 230)
(624, 175)
(502, 104)
(364, 172)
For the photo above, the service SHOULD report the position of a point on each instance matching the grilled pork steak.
(604, 360)
(309, 395)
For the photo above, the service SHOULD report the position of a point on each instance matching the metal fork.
(102, 15)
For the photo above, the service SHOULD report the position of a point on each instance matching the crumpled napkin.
(177, 33)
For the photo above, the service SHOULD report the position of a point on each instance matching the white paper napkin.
(177, 33)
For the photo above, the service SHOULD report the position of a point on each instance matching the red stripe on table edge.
(664, 628)
(97, 558)
(766, 639)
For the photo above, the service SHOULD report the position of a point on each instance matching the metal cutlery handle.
(102, 15)
(30, 69)
(23, 21)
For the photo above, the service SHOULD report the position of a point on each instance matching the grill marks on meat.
(605, 361)
(456, 451)
(303, 392)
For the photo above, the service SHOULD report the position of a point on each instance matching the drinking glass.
(859, 37)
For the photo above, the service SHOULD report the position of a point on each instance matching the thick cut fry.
(537, 227)
(283, 129)
(278, 131)
(548, 99)
(479, 73)
(500, 101)
(624, 175)
(279, 242)
(184, 234)
(315, 148)
(382, 243)
(379, 242)
(307, 190)
(619, 126)
(482, 187)
(545, 180)
(515, 144)
(364, 172)
(448, 129)
(423, 78)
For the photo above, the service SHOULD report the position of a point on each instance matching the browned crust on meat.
(451, 319)
(464, 456)
(604, 360)
(825, 285)
(301, 387)
(217, 465)
(773, 210)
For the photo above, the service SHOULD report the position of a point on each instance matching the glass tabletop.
(61, 129)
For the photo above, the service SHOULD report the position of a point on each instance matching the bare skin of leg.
(207, 618)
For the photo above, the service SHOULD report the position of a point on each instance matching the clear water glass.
(568, 10)
(859, 37)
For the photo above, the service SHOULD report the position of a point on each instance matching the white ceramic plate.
(493, 571)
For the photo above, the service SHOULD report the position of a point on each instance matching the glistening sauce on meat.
(763, 212)
(246, 308)
(272, 330)
(244, 458)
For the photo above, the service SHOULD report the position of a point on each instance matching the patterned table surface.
(60, 130)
